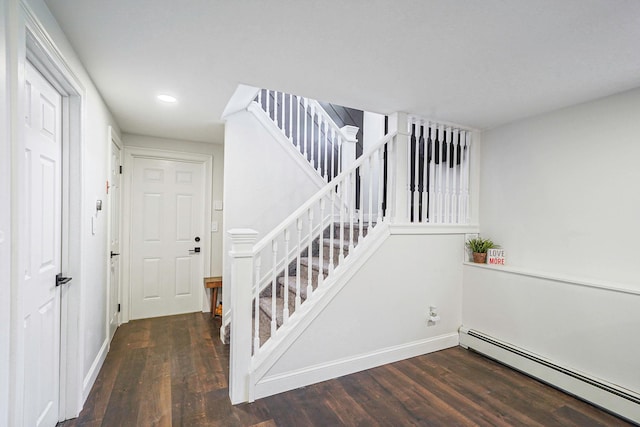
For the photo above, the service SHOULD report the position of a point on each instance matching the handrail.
(328, 118)
(275, 232)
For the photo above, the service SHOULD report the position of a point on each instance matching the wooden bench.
(213, 283)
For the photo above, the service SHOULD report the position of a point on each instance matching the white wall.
(591, 330)
(558, 192)
(262, 185)
(214, 150)
(381, 313)
(89, 289)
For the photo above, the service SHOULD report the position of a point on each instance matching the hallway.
(173, 371)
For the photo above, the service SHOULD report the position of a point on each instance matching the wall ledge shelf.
(571, 280)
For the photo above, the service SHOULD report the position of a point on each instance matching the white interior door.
(114, 240)
(42, 218)
(167, 224)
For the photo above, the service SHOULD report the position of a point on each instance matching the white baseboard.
(91, 376)
(622, 402)
(270, 385)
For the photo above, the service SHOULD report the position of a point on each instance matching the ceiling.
(475, 63)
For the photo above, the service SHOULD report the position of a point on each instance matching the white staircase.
(282, 281)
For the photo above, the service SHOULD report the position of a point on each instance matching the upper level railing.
(309, 128)
(439, 163)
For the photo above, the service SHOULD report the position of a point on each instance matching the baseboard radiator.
(617, 400)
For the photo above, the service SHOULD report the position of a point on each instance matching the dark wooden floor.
(173, 371)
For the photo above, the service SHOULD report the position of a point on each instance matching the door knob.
(195, 250)
(113, 254)
(61, 280)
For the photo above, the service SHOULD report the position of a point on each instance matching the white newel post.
(399, 122)
(349, 146)
(242, 241)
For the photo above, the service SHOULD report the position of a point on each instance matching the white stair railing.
(438, 172)
(309, 128)
(316, 239)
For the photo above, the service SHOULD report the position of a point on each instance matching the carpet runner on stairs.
(265, 304)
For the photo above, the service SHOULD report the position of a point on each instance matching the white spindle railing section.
(317, 238)
(309, 128)
(438, 173)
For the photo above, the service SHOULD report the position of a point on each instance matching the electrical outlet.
(434, 317)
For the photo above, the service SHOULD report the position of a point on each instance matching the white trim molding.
(274, 384)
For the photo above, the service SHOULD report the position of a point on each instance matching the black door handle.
(195, 250)
(60, 280)
(113, 254)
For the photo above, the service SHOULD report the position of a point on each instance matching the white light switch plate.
(217, 205)
(214, 226)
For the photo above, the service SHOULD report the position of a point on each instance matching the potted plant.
(479, 247)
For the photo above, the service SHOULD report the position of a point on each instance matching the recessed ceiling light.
(167, 98)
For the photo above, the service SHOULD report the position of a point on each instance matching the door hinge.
(120, 169)
(118, 308)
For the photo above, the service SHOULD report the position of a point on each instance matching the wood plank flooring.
(173, 371)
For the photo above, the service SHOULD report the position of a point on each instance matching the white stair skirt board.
(270, 385)
(622, 402)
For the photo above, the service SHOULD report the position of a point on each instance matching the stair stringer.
(287, 334)
(255, 109)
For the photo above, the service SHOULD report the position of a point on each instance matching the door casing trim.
(35, 45)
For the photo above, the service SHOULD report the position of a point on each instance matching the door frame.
(130, 154)
(35, 45)
(113, 138)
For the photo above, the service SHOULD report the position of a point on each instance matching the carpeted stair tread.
(265, 306)
(292, 286)
(265, 303)
(315, 263)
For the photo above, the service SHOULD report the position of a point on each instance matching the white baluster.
(332, 229)
(325, 170)
(320, 245)
(456, 183)
(340, 141)
(268, 103)
(342, 207)
(351, 186)
(290, 117)
(310, 256)
(391, 179)
(297, 122)
(283, 124)
(319, 143)
(432, 173)
(306, 113)
(299, 250)
(361, 210)
(370, 180)
(380, 184)
(467, 211)
(256, 305)
(260, 97)
(447, 190)
(425, 158)
(285, 288)
(276, 116)
(311, 136)
(274, 284)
